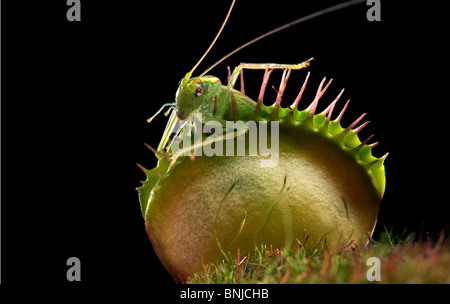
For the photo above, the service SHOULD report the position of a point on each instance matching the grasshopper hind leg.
(257, 66)
(273, 66)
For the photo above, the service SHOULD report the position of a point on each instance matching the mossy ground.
(404, 259)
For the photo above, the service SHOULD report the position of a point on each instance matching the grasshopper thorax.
(191, 93)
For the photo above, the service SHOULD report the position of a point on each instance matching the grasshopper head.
(191, 94)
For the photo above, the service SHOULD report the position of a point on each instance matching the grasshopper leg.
(255, 66)
(272, 66)
(167, 133)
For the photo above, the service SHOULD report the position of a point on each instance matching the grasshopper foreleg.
(171, 105)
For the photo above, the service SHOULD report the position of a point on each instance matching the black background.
(76, 96)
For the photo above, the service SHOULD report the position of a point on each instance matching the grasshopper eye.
(198, 91)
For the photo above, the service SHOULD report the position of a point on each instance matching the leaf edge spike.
(329, 110)
(166, 156)
(358, 129)
(151, 149)
(262, 91)
(145, 170)
(382, 159)
(313, 106)
(242, 82)
(364, 142)
(299, 96)
(374, 144)
(353, 124)
(342, 112)
(280, 92)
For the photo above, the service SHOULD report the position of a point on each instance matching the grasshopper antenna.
(283, 27)
(188, 75)
(214, 41)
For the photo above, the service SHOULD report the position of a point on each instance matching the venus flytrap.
(207, 199)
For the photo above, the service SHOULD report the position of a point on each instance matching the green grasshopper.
(207, 96)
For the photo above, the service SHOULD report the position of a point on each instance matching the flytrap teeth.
(374, 144)
(358, 129)
(242, 82)
(329, 110)
(342, 112)
(299, 96)
(280, 92)
(163, 152)
(145, 170)
(313, 106)
(261, 93)
(364, 142)
(150, 148)
(166, 156)
(381, 160)
(353, 124)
